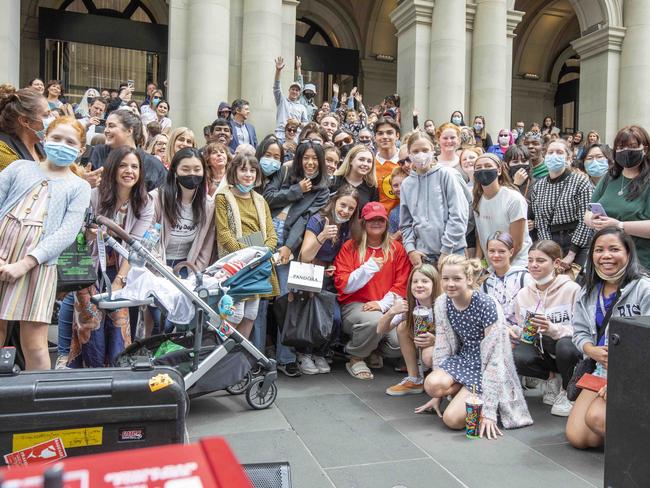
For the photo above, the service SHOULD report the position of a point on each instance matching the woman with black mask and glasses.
(294, 194)
(624, 192)
(344, 140)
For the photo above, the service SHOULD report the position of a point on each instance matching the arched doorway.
(323, 62)
(567, 96)
(79, 45)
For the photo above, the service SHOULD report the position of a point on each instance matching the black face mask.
(190, 181)
(516, 167)
(345, 148)
(629, 158)
(486, 176)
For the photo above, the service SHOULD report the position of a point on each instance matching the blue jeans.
(65, 325)
(283, 354)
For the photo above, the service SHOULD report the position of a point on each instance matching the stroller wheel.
(239, 388)
(256, 398)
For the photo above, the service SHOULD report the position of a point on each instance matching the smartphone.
(597, 209)
(130, 83)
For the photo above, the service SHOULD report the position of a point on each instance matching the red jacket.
(392, 276)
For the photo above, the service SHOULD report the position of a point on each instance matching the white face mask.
(546, 279)
(421, 160)
(338, 219)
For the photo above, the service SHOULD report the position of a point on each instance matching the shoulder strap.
(608, 315)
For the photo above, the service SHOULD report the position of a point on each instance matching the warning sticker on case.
(160, 381)
(87, 436)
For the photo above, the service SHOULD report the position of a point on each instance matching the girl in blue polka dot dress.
(472, 351)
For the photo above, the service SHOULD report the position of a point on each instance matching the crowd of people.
(534, 231)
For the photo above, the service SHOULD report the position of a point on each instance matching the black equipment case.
(93, 410)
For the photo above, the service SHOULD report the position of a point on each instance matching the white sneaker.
(61, 362)
(530, 383)
(322, 364)
(551, 389)
(562, 406)
(306, 364)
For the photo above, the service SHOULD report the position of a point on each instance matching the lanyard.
(101, 249)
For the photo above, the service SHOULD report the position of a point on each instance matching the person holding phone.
(548, 303)
(624, 191)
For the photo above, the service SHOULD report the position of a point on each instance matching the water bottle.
(151, 238)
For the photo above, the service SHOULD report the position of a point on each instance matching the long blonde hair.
(176, 133)
(361, 241)
(346, 167)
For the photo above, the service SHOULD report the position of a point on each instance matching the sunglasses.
(311, 141)
(290, 129)
(402, 162)
(347, 140)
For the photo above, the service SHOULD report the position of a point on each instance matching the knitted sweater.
(69, 197)
(501, 388)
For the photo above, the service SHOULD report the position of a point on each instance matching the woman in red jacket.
(371, 272)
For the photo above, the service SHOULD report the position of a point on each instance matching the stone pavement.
(338, 431)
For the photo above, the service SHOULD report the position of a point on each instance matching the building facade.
(583, 62)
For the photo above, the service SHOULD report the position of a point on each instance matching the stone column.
(10, 43)
(470, 16)
(289, 41)
(234, 61)
(412, 18)
(489, 53)
(207, 61)
(514, 17)
(177, 61)
(600, 54)
(261, 44)
(634, 106)
(447, 60)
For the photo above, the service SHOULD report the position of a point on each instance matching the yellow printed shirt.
(383, 170)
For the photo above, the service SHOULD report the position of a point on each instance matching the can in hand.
(529, 330)
(422, 320)
(473, 411)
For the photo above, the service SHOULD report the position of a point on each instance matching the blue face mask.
(156, 101)
(597, 167)
(555, 162)
(478, 127)
(46, 123)
(244, 188)
(456, 120)
(269, 165)
(60, 154)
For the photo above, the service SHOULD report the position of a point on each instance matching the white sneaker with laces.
(322, 364)
(551, 389)
(562, 406)
(306, 364)
(61, 362)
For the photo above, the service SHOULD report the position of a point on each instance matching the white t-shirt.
(496, 214)
(182, 235)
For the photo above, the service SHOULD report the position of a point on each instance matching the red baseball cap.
(372, 210)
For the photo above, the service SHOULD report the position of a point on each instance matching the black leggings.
(559, 356)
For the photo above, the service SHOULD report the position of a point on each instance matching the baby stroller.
(212, 355)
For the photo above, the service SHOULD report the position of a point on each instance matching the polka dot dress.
(469, 326)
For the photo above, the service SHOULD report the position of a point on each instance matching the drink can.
(529, 330)
(422, 320)
(473, 411)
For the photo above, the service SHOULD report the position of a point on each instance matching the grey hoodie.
(634, 301)
(434, 211)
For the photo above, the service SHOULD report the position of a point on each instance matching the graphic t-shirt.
(383, 170)
(182, 235)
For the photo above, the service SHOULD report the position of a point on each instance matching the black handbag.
(588, 365)
(307, 319)
(75, 269)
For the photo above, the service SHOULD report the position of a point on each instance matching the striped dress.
(30, 298)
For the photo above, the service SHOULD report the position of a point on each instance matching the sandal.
(375, 360)
(359, 370)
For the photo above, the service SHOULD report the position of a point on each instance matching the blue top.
(69, 197)
(393, 220)
(329, 250)
(496, 149)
